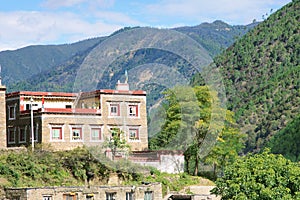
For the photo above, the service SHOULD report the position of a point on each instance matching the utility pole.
(32, 130)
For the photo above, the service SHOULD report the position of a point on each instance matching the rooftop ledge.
(66, 111)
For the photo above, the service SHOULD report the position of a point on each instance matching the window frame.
(146, 197)
(135, 111)
(76, 128)
(130, 196)
(22, 130)
(100, 137)
(137, 129)
(9, 131)
(116, 105)
(47, 197)
(109, 197)
(61, 133)
(10, 112)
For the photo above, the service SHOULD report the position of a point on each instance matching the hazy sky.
(28, 22)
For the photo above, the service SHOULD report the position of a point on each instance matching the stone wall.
(83, 193)
(3, 143)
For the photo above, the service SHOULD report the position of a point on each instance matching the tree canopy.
(263, 176)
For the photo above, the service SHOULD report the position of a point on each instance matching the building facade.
(150, 191)
(69, 120)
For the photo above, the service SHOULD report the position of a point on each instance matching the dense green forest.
(287, 141)
(262, 75)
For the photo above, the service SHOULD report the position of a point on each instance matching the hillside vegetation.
(287, 141)
(80, 167)
(58, 70)
(29, 61)
(262, 75)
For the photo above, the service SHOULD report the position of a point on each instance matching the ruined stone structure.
(149, 191)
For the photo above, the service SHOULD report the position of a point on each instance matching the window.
(12, 112)
(56, 133)
(47, 197)
(68, 106)
(22, 135)
(96, 134)
(111, 196)
(114, 109)
(76, 133)
(133, 133)
(90, 197)
(133, 110)
(115, 132)
(70, 196)
(148, 195)
(129, 196)
(11, 135)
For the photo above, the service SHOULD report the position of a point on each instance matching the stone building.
(69, 120)
(149, 191)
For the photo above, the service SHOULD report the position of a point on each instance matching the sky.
(35, 22)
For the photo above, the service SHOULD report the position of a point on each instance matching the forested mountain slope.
(60, 75)
(29, 61)
(262, 75)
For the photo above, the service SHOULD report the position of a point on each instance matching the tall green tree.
(196, 122)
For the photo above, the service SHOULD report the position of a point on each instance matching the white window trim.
(9, 111)
(71, 133)
(46, 197)
(101, 133)
(14, 132)
(109, 109)
(139, 134)
(62, 133)
(25, 131)
(138, 107)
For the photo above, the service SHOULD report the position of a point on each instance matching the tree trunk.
(196, 166)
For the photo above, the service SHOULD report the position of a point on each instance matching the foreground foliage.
(262, 176)
(79, 167)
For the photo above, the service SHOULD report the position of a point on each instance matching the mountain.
(53, 68)
(23, 63)
(261, 72)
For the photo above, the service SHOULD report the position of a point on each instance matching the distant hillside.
(216, 36)
(262, 75)
(28, 61)
(60, 75)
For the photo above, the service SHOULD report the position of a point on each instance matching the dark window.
(11, 135)
(12, 112)
(111, 196)
(148, 195)
(76, 133)
(133, 110)
(129, 196)
(22, 135)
